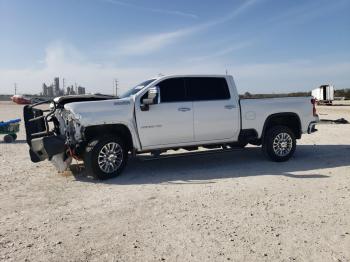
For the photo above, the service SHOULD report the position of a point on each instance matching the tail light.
(313, 102)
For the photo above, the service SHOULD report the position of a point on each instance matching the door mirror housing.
(153, 92)
(150, 98)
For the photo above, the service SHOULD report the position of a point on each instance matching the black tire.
(96, 148)
(279, 151)
(8, 139)
(14, 136)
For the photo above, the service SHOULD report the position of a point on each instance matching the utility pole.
(15, 89)
(116, 86)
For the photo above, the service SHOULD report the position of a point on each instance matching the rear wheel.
(105, 157)
(279, 143)
(8, 139)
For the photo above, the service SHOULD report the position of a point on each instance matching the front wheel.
(105, 157)
(279, 143)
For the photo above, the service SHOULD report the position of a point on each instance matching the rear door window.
(207, 88)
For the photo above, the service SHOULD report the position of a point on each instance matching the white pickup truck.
(168, 112)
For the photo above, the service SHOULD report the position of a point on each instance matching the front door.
(168, 122)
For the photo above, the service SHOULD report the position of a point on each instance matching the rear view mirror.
(150, 99)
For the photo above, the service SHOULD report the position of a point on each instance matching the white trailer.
(324, 94)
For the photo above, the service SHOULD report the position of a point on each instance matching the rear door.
(170, 121)
(216, 113)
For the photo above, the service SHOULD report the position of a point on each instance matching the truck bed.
(255, 111)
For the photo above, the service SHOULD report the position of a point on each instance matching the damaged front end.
(55, 133)
(44, 135)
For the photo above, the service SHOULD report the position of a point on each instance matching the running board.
(204, 152)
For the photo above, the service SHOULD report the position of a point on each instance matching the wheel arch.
(289, 119)
(120, 130)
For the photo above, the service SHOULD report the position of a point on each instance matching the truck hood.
(62, 100)
(101, 112)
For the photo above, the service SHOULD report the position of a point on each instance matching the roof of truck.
(191, 75)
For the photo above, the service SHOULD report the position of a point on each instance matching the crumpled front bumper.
(46, 147)
(43, 144)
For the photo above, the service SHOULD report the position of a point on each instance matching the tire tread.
(93, 148)
(268, 140)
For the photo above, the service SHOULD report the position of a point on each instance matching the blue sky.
(267, 45)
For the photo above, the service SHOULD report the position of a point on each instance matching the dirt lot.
(214, 207)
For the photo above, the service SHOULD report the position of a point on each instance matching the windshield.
(134, 90)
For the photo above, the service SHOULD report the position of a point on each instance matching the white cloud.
(305, 12)
(291, 76)
(67, 62)
(221, 52)
(149, 43)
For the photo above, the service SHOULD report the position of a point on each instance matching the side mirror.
(150, 99)
(153, 92)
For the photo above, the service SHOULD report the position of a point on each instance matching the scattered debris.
(337, 121)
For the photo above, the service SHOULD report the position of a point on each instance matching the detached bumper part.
(46, 147)
(42, 143)
(312, 128)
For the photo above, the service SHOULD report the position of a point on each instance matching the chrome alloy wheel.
(282, 144)
(110, 157)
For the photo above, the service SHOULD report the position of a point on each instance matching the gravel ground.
(212, 207)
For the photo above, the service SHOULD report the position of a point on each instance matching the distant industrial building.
(81, 90)
(70, 91)
(54, 89)
(45, 90)
(56, 83)
(75, 91)
(50, 91)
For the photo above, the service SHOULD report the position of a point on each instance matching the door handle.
(230, 106)
(183, 109)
